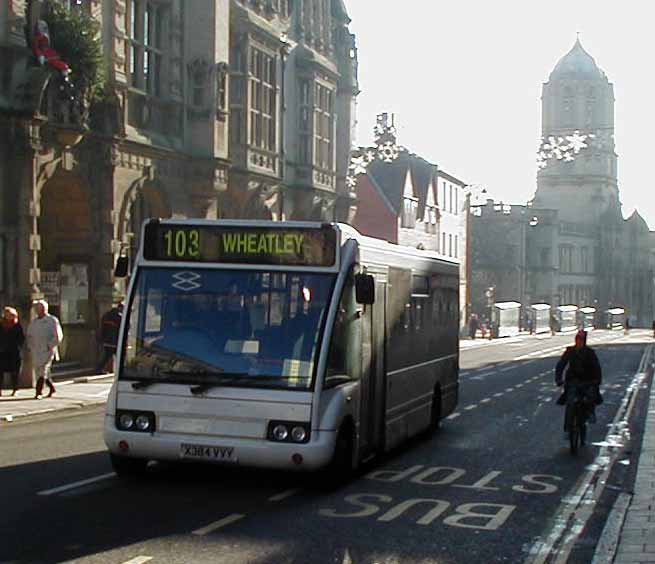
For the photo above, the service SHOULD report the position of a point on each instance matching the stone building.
(292, 110)
(200, 117)
(410, 201)
(573, 244)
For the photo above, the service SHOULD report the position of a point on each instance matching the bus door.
(372, 382)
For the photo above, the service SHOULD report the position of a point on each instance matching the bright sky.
(464, 80)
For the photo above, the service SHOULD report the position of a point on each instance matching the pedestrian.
(654, 329)
(44, 335)
(11, 343)
(109, 326)
(553, 325)
(626, 326)
(474, 324)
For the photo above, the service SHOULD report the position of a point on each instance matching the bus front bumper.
(259, 453)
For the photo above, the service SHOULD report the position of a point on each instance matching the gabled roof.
(390, 179)
(422, 175)
(635, 221)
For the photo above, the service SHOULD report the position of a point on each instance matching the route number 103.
(182, 243)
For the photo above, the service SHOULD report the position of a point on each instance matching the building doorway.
(69, 245)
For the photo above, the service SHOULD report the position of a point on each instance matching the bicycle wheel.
(583, 426)
(574, 432)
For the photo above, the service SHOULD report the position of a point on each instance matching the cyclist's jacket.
(581, 366)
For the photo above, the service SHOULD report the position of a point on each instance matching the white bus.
(290, 345)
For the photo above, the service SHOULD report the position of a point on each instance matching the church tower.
(578, 164)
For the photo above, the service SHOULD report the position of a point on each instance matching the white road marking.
(453, 415)
(218, 524)
(139, 560)
(77, 484)
(518, 386)
(507, 369)
(509, 390)
(499, 395)
(557, 547)
(284, 495)
(470, 407)
(485, 400)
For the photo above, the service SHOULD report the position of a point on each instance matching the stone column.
(24, 176)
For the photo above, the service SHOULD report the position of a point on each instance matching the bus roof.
(373, 246)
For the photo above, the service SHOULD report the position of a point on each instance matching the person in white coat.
(44, 335)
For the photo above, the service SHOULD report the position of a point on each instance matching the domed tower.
(578, 174)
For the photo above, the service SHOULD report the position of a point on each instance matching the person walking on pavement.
(11, 342)
(653, 329)
(109, 326)
(474, 324)
(44, 335)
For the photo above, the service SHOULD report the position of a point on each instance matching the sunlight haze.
(464, 82)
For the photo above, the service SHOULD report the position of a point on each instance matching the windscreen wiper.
(225, 379)
(144, 383)
(231, 379)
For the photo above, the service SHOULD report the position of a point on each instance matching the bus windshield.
(221, 328)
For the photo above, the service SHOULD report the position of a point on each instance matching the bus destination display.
(292, 246)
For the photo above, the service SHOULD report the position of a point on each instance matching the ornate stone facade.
(292, 99)
(199, 118)
(77, 181)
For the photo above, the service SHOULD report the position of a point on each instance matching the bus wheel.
(435, 412)
(340, 467)
(128, 467)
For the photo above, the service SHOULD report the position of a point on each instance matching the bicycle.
(578, 414)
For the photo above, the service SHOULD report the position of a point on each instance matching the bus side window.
(344, 354)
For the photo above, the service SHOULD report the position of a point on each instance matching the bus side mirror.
(364, 289)
(122, 267)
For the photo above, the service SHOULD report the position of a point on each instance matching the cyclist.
(583, 376)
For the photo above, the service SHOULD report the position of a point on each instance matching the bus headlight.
(280, 432)
(139, 421)
(142, 422)
(288, 432)
(125, 421)
(298, 434)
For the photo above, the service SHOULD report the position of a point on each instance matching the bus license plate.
(203, 452)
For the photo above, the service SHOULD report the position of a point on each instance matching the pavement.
(71, 394)
(628, 535)
(636, 539)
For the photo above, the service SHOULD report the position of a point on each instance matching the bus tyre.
(128, 467)
(340, 467)
(435, 412)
